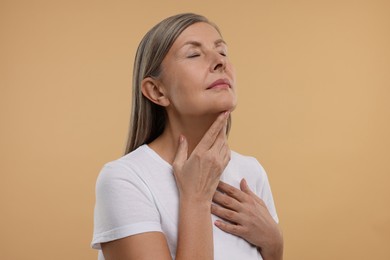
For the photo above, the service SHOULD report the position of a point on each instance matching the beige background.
(314, 108)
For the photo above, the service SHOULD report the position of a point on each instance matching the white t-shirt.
(137, 193)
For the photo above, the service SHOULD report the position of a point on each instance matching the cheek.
(187, 83)
(231, 70)
(232, 73)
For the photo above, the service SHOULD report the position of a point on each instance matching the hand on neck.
(193, 129)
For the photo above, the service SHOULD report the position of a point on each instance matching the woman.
(179, 192)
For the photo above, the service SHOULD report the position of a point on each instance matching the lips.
(220, 83)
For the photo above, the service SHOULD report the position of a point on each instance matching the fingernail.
(181, 138)
(226, 113)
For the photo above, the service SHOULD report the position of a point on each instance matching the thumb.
(244, 187)
(181, 153)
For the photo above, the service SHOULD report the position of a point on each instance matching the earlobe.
(151, 90)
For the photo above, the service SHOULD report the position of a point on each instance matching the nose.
(218, 63)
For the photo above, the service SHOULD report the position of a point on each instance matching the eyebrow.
(198, 44)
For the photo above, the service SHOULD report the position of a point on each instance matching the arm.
(150, 245)
(194, 241)
(197, 178)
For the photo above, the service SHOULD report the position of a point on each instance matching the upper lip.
(219, 82)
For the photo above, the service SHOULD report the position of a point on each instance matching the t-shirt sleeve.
(263, 190)
(124, 205)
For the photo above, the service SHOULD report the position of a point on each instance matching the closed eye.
(193, 55)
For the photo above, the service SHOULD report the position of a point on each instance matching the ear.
(152, 90)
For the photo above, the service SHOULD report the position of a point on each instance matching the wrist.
(195, 202)
(274, 248)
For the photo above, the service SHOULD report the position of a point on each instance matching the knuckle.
(235, 229)
(230, 215)
(219, 167)
(197, 155)
(211, 158)
(227, 202)
(175, 166)
(214, 160)
(251, 201)
(230, 191)
(259, 201)
(245, 231)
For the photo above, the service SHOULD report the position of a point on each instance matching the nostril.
(219, 66)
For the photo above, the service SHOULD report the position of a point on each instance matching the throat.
(167, 143)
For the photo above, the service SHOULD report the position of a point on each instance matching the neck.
(193, 129)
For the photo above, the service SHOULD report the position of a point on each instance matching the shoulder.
(124, 169)
(246, 162)
(121, 187)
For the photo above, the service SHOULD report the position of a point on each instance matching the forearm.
(272, 255)
(274, 250)
(195, 238)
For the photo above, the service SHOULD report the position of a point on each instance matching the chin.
(225, 106)
(228, 104)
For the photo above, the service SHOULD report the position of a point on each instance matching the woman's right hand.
(197, 176)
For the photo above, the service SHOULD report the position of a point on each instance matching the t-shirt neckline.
(156, 156)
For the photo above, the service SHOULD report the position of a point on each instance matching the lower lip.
(220, 86)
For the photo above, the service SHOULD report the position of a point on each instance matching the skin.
(197, 58)
(247, 217)
(194, 142)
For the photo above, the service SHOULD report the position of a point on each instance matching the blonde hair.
(148, 120)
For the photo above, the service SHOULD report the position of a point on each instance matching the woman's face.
(196, 73)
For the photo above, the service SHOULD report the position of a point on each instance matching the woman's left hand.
(247, 216)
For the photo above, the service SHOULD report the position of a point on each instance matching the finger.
(226, 155)
(181, 153)
(232, 191)
(245, 188)
(223, 156)
(233, 229)
(226, 201)
(211, 134)
(226, 214)
(220, 141)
